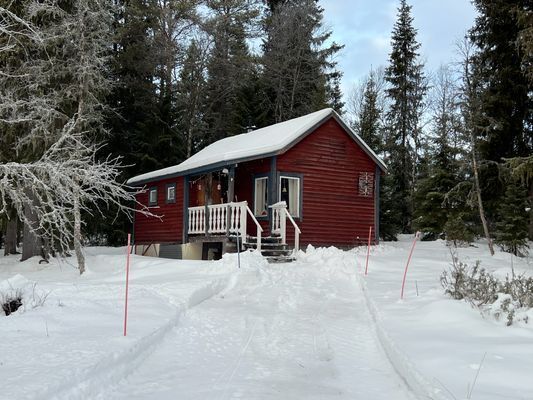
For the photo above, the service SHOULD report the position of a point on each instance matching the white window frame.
(150, 201)
(294, 213)
(264, 211)
(169, 200)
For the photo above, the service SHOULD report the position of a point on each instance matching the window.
(171, 193)
(261, 197)
(289, 192)
(152, 197)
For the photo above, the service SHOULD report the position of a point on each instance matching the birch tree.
(66, 180)
(52, 97)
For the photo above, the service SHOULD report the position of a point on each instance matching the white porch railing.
(279, 224)
(196, 220)
(229, 218)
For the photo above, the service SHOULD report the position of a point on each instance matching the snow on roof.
(270, 140)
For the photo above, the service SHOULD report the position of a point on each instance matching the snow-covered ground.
(314, 329)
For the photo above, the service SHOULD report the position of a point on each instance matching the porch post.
(231, 195)
(231, 184)
(272, 191)
(208, 200)
(185, 209)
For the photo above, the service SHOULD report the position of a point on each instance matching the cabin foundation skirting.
(177, 251)
(198, 248)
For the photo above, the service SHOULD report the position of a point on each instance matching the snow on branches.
(68, 175)
(54, 75)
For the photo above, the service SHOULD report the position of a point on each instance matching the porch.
(242, 205)
(231, 222)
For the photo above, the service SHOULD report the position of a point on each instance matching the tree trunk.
(10, 242)
(479, 200)
(530, 211)
(77, 236)
(32, 244)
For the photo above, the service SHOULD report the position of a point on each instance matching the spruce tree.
(133, 121)
(512, 227)
(191, 94)
(501, 64)
(458, 230)
(230, 67)
(368, 124)
(432, 210)
(299, 73)
(505, 92)
(406, 92)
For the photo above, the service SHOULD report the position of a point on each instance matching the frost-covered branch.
(67, 175)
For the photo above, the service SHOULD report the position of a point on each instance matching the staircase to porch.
(272, 248)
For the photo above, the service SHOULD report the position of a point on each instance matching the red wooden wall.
(170, 228)
(333, 212)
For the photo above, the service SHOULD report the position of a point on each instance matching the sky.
(364, 27)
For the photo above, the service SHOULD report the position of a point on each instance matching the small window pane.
(261, 197)
(171, 193)
(290, 194)
(153, 197)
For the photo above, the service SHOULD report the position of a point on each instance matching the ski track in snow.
(292, 331)
(88, 383)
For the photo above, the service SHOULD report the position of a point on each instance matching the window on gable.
(171, 193)
(261, 197)
(152, 197)
(289, 192)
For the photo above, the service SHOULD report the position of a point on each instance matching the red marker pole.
(368, 250)
(408, 261)
(127, 284)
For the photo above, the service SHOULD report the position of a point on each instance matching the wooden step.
(276, 252)
(271, 248)
(264, 240)
(280, 260)
(253, 245)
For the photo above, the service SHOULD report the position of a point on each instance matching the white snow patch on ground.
(314, 329)
(440, 339)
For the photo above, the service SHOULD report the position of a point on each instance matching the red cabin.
(309, 180)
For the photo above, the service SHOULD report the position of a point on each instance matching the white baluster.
(233, 218)
(283, 225)
(243, 220)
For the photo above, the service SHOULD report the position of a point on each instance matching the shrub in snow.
(511, 299)
(11, 302)
(18, 292)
